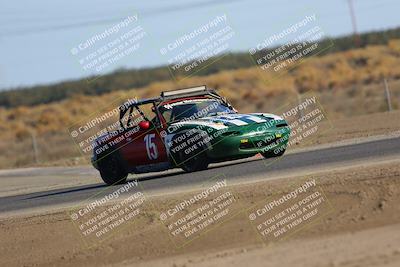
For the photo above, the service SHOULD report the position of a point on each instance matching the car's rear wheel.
(111, 170)
(195, 160)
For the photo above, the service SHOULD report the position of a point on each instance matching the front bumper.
(250, 143)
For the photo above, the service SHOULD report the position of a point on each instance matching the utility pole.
(35, 147)
(387, 94)
(354, 22)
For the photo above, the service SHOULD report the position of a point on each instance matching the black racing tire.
(111, 169)
(196, 160)
(272, 154)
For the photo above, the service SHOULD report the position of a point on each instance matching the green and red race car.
(187, 128)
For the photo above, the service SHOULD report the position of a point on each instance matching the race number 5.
(151, 147)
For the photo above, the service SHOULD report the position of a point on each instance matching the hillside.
(136, 78)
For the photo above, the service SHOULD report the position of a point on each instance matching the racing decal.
(187, 101)
(202, 123)
(152, 151)
(228, 120)
(269, 115)
(236, 119)
(169, 144)
(254, 118)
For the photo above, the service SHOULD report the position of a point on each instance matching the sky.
(37, 38)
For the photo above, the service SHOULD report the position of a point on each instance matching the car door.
(144, 147)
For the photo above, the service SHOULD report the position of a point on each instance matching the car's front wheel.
(198, 162)
(111, 170)
(274, 153)
(191, 157)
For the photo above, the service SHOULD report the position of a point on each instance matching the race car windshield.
(190, 110)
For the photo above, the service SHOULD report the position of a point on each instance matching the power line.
(153, 11)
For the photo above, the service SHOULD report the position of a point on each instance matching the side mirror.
(144, 125)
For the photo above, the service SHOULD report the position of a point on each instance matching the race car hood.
(220, 122)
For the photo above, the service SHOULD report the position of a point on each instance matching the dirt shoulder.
(360, 226)
(357, 128)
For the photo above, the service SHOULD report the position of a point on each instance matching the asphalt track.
(234, 172)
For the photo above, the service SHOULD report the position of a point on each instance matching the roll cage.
(164, 98)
